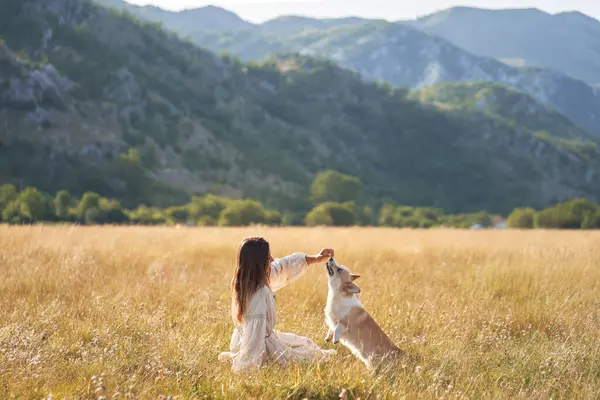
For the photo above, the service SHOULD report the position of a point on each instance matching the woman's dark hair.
(252, 272)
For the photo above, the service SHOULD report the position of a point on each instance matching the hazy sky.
(258, 11)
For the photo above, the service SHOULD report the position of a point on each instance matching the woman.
(257, 276)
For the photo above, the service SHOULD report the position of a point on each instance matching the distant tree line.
(574, 214)
(338, 201)
(33, 206)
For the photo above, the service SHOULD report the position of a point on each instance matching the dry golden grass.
(145, 311)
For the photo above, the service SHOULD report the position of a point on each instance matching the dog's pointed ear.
(354, 277)
(350, 287)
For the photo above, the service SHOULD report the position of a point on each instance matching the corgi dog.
(350, 323)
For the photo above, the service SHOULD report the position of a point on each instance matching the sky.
(259, 11)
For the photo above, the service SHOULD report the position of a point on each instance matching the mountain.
(500, 101)
(216, 19)
(295, 24)
(186, 22)
(406, 57)
(568, 42)
(94, 100)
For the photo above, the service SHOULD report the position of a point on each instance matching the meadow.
(134, 312)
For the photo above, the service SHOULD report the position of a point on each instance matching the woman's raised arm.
(289, 269)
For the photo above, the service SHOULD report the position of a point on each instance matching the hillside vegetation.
(405, 56)
(97, 101)
(511, 106)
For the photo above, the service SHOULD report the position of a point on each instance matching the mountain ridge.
(565, 41)
(136, 113)
(406, 57)
(185, 21)
(325, 37)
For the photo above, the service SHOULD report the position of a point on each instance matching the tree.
(367, 217)
(33, 205)
(88, 208)
(206, 220)
(242, 213)
(178, 215)
(547, 219)
(364, 215)
(8, 194)
(431, 215)
(147, 216)
(591, 221)
(331, 214)
(273, 218)
(332, 186)
(319, 216)
(580, 208)
(293, 218)
(405, 217)
(92, 216)
(12, 213)
(521, 218)
(104, 212)
(62, 203)
(207, 206)
(89, 200)
(112, 212)
(409, 222)
(561, 216)
(386, 215)
(580, 212)
(482, 218)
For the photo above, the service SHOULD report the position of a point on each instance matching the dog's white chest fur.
(338, 307)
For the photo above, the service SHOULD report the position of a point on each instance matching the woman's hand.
(324, 255)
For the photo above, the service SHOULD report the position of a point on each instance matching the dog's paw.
(328, 338)
(336, 341)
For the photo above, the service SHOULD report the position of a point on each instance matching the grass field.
(499, 314)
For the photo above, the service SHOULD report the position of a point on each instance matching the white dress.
(255, 341)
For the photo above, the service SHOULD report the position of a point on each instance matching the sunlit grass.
(144, 312)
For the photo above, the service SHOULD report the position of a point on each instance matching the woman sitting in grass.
(257, 276)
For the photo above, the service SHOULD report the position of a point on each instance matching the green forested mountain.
(567, 41)
(510, 106)
(406, 57)
(94, 100)
(403, 56)
(503, 102)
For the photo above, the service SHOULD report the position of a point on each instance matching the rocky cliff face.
(37, 88)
